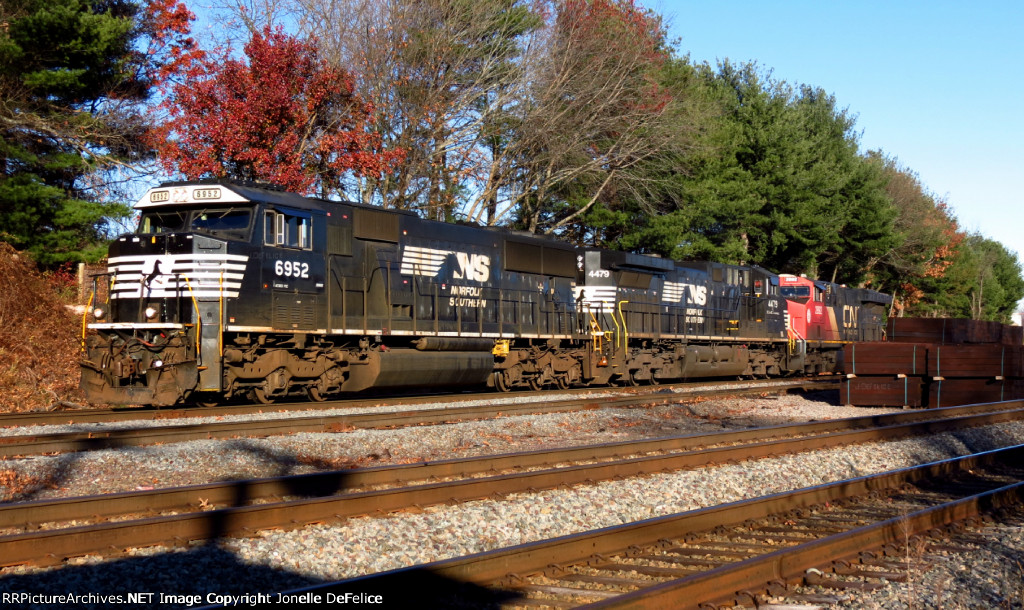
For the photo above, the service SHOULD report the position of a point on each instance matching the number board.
(205, 194)
(188, 194)
(285, 269)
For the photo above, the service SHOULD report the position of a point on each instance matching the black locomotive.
(231, 289)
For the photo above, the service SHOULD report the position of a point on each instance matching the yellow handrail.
(625, 331)
(595, 330)
(199, 317)
(85, 317)
(618, 330)
(220, 318)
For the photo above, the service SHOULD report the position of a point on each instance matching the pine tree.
(69, 79)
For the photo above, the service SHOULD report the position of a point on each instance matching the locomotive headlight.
(99, 313)
(151, 312)
(156, 363)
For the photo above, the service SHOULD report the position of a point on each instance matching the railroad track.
(842, 535)
(95, 416)
(240, 508)
(108, 438)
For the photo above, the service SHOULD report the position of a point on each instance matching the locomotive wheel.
(499, 381)
(562, 382)
(260, 395)
(313, 393)
(534, 383)
(203, 399)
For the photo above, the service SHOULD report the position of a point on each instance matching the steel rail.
(231, 493)
(34, 444)
(81, 416)
(791, 564)
(494, 576)
(47, 546)
(728, 583)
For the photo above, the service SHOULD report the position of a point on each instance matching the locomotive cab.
(169, 288)
(810, 313)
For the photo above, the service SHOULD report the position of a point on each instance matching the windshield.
(163, 222)
(795, 292)
(220, 222)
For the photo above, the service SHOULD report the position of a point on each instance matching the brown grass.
(39, 336)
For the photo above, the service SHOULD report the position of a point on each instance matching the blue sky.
(937, 84)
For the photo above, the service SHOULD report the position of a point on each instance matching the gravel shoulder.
(277, 560)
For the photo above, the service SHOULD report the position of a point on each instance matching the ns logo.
(697, 295)
(474, 267)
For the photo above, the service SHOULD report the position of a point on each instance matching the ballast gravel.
(990, 575)
(195, 462)
(279, 560)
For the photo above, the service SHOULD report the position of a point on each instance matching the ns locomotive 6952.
(231, 289)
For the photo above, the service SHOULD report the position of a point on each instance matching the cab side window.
(288, 229)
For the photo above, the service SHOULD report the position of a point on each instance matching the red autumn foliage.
(939, 261)
(620, 24)
(284, 116)
(609, 30)
(172, 53)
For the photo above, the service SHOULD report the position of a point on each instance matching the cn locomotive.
(231, 289)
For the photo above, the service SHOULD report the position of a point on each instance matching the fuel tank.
(410, 367)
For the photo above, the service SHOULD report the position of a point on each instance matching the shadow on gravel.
(173, 579)
(284, 462)
(24, 487)
(415, 587)
(829, 397)
(211, 576)
(20, 486)
(962, 442)
(206, 574)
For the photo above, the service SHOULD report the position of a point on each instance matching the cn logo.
(850, 315)
(475, 267)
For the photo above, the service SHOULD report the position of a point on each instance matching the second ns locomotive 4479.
(230, 289)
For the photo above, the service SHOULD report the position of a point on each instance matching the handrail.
(625, 331)
(199, 321)
(85, 317)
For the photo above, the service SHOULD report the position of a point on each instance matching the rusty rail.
(506, 575)
(230, 493)
(94, 416)
(56, 545)
(34, 444)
